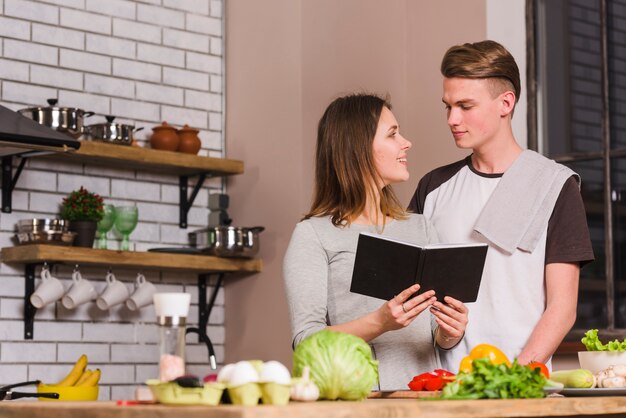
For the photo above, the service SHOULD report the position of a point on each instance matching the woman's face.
(389, 149)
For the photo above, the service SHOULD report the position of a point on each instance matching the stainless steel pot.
(227, 241)
(112, 132)
(68, 120)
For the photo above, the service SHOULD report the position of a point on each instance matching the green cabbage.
(593, 343)
(341, 364)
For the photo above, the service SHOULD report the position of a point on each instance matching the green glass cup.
(104, 226)
(126, 218)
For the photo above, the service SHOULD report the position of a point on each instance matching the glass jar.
(171, 348)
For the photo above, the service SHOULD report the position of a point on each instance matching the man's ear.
(507, 103)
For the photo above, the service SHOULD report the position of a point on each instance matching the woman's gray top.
(318, 271)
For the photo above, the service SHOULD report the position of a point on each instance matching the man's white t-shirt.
(512, 294)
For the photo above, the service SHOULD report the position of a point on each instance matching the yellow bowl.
(596, 361)
(69, 393)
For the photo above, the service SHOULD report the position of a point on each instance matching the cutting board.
(404, 394)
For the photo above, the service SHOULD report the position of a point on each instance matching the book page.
(428, 246)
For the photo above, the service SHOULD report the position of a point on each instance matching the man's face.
(474, 116)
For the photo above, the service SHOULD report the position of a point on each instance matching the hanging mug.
(50, 290)
(115, 293)
(143, 294)
(81, 291)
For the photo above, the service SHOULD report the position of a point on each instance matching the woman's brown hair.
(345, 173)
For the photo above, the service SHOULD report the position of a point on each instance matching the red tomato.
(542, 368)
(417, 385)
(435, 383)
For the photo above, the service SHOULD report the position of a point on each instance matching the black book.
(384, 267)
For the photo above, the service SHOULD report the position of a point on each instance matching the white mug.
(50, 290)
(115, 293)
(81, 291)
(143, 294)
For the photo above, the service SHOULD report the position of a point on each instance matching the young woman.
(360, 153)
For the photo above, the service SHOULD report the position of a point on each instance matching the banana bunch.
(80, 375)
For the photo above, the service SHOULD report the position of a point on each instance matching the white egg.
(225, 374)
(274, 371)
(243, 372)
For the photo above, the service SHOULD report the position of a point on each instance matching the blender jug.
(171, 310)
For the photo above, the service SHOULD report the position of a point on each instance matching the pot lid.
(110, 122)
(164, 126)
(52, 106)
(186, 128)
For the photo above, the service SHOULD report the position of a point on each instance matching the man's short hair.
(485, 60)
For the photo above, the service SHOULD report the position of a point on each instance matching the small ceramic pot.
(189, 142)
(164, 137)
(85, 233)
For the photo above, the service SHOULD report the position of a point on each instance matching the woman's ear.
(507, 103)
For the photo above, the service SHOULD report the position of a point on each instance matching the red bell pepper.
(431, 381)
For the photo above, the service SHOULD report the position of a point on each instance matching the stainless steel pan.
(227, 241)
(115, 133)
(68, 120)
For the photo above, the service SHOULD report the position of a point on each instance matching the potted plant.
(83, 209)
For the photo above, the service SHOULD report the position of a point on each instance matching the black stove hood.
(20, 135)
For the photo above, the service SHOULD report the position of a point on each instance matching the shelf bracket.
(9, 180)
(186, 202)
(29, 309)
(204, 311)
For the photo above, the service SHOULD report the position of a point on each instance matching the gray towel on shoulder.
(518, 210)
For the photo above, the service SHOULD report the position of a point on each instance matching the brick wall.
(145, 62)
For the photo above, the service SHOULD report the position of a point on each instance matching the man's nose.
(454, 117)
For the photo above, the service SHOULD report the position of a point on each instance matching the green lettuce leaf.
(593, 343)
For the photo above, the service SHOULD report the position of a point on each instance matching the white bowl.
(596, 361)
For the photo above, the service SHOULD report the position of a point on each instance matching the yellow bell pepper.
(483, 350)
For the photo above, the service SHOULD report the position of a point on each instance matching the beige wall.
(285, 61)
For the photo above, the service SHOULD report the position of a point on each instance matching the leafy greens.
(496, 381)
(593, 343)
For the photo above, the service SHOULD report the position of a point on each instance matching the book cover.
(384, 267)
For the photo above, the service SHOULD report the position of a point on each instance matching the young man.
(526, 207)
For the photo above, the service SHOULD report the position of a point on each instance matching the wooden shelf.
(129, 157)
(40, 253)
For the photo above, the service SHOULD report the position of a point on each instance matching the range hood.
(22, 136)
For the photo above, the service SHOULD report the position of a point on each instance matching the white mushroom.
(619, 370)
(603, 374)
(614, 382)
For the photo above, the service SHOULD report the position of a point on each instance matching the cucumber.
(575, 378)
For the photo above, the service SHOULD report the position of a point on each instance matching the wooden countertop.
(561, 406)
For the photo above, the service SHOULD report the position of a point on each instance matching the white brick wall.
(144, 61)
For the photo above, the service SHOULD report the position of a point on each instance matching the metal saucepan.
(112, 132)
(68, 120)
(227, 241)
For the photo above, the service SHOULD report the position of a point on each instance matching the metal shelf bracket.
(185, 202)
(29, 309)
(9, 180)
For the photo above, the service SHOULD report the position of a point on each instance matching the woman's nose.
(406, 144)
